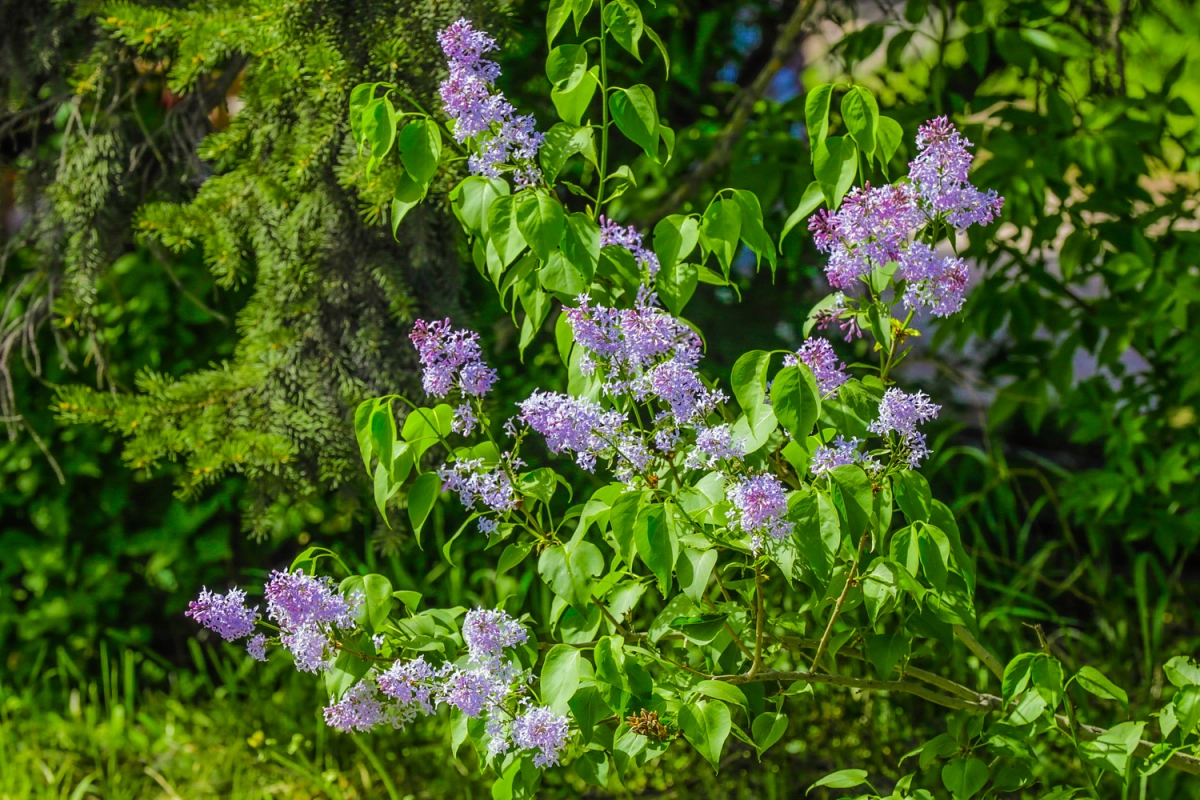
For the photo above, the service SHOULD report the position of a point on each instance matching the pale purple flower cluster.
(501, 135)
(628, 340)
(939, 175)
(474, 484)
(257, 647)
(541, 729)
(901, 413)
(878, 225)
(839, 454)
(583, 427)
(225, 614)
(306, 608)
(759, 507)
(818, 356)
(411, 684)
(628, 237)
(360, 709)
(680, 387)
(451, 358)
(713, 444)
(464, 420)
(487, 633)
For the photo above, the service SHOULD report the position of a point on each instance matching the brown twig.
(740, 109)
(837, 607)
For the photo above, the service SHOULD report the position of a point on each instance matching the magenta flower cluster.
(451, 359)
(503, 137)
(818, 356)
(878, 225)
(900, 414)
(628, 237)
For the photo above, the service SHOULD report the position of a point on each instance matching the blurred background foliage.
(200, 283)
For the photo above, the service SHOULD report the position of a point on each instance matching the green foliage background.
(197, 295)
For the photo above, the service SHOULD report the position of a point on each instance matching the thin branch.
(837, 608)
(989, 660)
(740, 110)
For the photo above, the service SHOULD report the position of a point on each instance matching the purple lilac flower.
(629, 340)
(487, 525)
(411, 684)
(818, 356)
(714, 444)
(307, 645)
(900, 413)
(492, 488)
(759, 506)
(939, 284)
(613, 234)
(871, 228)
(487, 632)
(295, 600)
(470, 691)
(451, 358)
(679, 386)
(501, 135)
(839, 454)
(464, 420)
(581, 426)
(541, 729)
(225, 614)
(358, 710)
(257, 647)
(939, 176)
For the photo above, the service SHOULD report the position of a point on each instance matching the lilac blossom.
(759, 506)
(939, 284)
(470, 691)
(295, 599)
(257, 647)
(583, 427)
(464, 420)
(490, 487)
(541, 729)
(680, 387)
(487, 632)
(627, 341)
(818, 356)
(359, 710)
(628, 237)
(451, 358)
(714, 444)
(307, 644)
(501, 135)
(839, 454)
(411, 684)
(487, 525)
(225, 614)
(939, 177)
(872, 227)
(900, 413)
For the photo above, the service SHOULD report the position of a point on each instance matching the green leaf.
(560, 676)
(816, 115)
(1113, 749)
(569, 571)
(835, 164)
(1094, 681)
(503, 231)
(623, 19)
(360, 97)
(562, 141)
(379, 126)
(860, 112)
(471, 199)
(676, 284)
(752, 231)
(675, 238)
(581, 243)
(884, 650)
(377, 599)
(888, 137)
(693, 570)
(636, 115)
(767, 729)
(749, 381)
(725, 692)
(421, 497)
(857, 497)
(541, 221)
(702, 628)
(567, 66)
(842, 779)
(561, 277)
(384, 488)
(662, 48)
(513, 555)
(410, 599)
(657, 542)
(796, 400)
(407, 195)
(556, 17)
(1182, 671)
(420, 145)
(965, 777)
(572, 105)
(706, 727)
(720, 231)
(913, 496)
(813, 197)
(881, 587)
(1017, 674)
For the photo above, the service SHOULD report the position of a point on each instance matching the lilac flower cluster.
(360, 709)
(818, 356)
(583, 427)
(451, 359)
(628, 340)
(759, 507)
(900, 413)
(491, 488)
(487, 633)
(411, 684)
(878, 225)
(714, 444)
(307, 609)
(541, 729)
(502, 136)
(225, 614)
(839, 454)
(628, 237)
